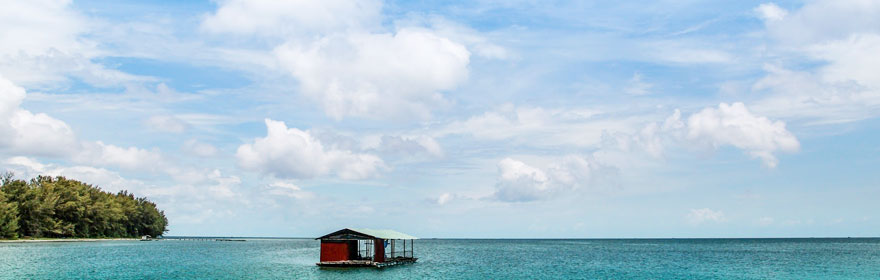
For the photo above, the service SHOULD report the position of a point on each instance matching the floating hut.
(366, 248)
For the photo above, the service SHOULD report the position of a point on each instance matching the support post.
(379, 255)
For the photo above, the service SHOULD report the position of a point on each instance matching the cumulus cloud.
(520, 182)
(734, 125)
(293, 153)
(705, 215)
(25, 133)
(652, 138)
(352, 65)
(377, 75)
(712, 127)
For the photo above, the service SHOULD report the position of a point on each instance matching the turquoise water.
(453, 259)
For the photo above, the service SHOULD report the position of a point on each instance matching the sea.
(778, 258)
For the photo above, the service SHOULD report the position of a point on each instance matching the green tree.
(59, 207)
(8, 217)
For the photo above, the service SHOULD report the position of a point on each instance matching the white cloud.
(205, 185)
(520, 182)
(705, 215)
(712, 127)
(852, 59)
(167, 123)
(23, 133)
(573, 172)
(844, 37)
(734, 125)
(802, 95)
(771, 12)
(652, 138)
(194, 147)
(820, 21)
(131, 158)
(538, 126)
(347, 59)
(377, 75)
(288, 189)
(58, 24)
(26, 133)
(409, 145)
(298, 17)
(43, 44)
(293, 153)
(478, 43)
(445, 198)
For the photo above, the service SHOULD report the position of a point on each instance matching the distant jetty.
(201, 239)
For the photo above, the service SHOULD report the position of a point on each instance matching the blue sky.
(445, 119)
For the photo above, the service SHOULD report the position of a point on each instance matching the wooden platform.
(368, 263)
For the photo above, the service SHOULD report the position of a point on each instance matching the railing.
(407, 252)
(365, 249)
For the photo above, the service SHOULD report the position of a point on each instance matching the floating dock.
(367, 263)
(366, 248)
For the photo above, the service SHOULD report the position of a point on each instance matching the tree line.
(57, 207)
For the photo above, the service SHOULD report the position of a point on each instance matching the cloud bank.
(293, 153)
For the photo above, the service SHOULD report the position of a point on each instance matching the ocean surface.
(818, 258)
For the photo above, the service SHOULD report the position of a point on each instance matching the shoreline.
(66, 240)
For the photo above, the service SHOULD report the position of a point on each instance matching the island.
(57, 207)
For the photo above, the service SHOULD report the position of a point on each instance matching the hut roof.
(371, 233)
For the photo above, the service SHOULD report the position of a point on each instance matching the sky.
(470, 119)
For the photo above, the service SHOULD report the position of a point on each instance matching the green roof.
(384, 233)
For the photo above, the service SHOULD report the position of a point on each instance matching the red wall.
(380, 250)
(334, 251)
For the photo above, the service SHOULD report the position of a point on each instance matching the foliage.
(8, 217)
(60, 207)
